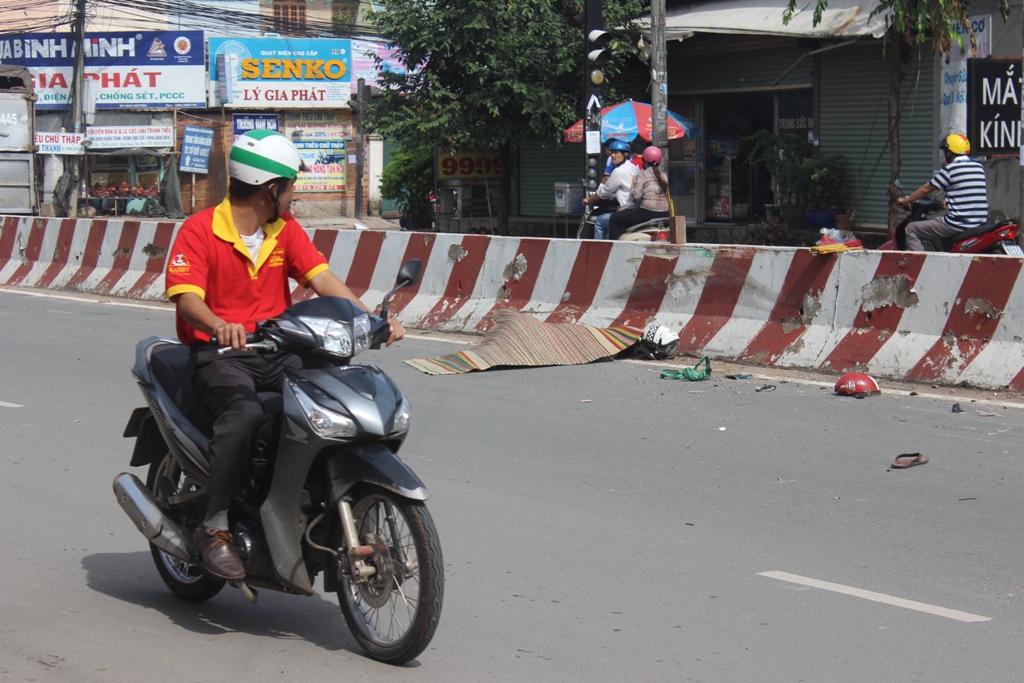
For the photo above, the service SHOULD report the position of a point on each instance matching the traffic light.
(597, 55)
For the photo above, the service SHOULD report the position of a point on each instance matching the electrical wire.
(16, 17)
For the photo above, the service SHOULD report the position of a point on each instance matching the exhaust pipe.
(139, 504)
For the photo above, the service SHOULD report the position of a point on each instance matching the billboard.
(993, 106)
(281, 73)
(135, 70)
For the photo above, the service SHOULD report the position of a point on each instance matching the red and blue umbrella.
(630, 119)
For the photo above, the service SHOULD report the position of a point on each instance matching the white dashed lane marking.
(876, 597)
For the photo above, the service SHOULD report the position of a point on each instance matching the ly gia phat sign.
(280, 73)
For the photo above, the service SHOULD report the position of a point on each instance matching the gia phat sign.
(994, 106)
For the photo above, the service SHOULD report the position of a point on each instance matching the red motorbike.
(997, 237)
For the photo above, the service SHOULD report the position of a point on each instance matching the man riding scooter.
(616, 186)
(962, 179)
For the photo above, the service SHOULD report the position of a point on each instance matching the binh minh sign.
(135, 70)
(994, 106)
(280, 73)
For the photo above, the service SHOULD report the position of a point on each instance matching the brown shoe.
(219, 554)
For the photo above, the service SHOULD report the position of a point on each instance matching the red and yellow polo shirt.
(209, 258)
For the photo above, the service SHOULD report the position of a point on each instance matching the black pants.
(627, 218)
(227, 384)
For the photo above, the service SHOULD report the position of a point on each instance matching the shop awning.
(842, 19)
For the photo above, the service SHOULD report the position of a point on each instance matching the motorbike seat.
(948, 242)
(170, 368)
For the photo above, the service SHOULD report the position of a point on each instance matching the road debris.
(958, 409)
(906, 460)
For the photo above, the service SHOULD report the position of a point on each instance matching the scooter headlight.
(401, 423)
(361, 333)
(327, 423)
(333, 336)
(338, 338)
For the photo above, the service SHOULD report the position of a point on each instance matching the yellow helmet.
(956, 144)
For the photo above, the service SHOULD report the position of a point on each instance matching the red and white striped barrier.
(925, 317)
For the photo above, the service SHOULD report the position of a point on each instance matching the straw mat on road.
(518, 340)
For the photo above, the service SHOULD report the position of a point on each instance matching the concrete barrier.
(927, 317)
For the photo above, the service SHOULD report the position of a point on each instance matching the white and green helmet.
(262, 155)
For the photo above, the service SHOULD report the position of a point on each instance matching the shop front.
(732, 87)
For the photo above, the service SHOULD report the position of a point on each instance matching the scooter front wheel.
(393, 614)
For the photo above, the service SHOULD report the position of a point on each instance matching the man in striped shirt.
(963, 181)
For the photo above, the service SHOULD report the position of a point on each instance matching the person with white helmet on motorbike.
(962, 179)
(228, 269)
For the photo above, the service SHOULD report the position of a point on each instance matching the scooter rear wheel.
(393, 616)
(187, 581)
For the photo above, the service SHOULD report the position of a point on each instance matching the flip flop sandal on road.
(906, 460)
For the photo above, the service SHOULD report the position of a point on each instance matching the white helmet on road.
(263, 155)
(657, 343)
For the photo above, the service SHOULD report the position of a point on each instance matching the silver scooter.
(327, 491)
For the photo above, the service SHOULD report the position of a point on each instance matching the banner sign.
(60, 143)
(993, 106)
(467, 164)
(282, 73)
(318, 125)
(126, 137)
(243, 123)
(953, 109)
(364, 64)
(195, 149)
(327, 166)
(144, 70)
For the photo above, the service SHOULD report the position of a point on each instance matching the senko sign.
(143, 70)
(282, 73)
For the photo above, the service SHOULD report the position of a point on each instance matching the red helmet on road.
(858, 385)
(652, 155)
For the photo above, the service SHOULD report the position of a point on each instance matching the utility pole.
(659, 81)
(360, 119)
(78, 100)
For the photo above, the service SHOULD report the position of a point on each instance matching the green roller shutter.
(708, 63)
(539, 169)
(852, 122)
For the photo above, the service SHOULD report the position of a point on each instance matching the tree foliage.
(485, 73)
(408, 179)
(916, 21)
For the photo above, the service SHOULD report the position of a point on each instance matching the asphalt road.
(598, 524)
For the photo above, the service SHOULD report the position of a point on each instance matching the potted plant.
(802, 185)
(783, 156)
(824, 182)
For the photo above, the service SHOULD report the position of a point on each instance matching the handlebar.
(253, 340)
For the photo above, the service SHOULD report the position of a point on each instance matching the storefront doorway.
(709, 177)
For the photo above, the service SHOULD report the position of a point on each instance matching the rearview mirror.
(408, 276)
(410, 273)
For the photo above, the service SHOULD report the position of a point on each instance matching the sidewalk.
(348, 223)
